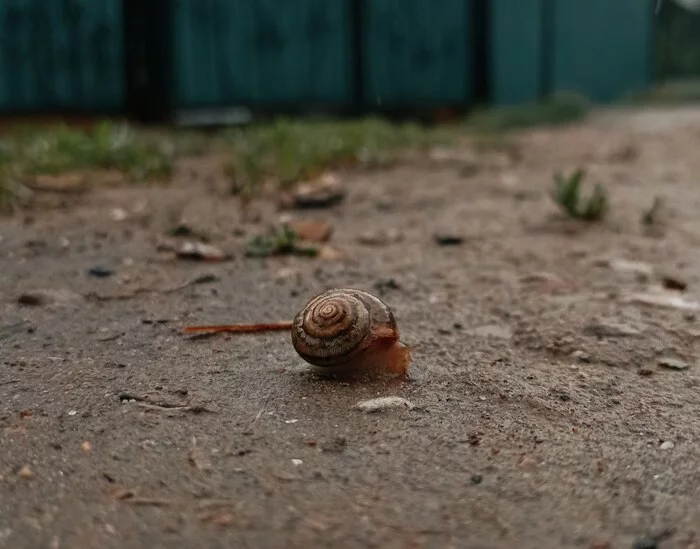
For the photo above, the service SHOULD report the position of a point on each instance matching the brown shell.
(337, 326)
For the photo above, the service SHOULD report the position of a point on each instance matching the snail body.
(347, 331)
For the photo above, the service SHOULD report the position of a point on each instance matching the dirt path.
(542, 419)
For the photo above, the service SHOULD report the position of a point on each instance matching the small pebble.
(100, 272)
(47, 297)
(297, 462)
(384, 403)
(673, 281)
(581, 355)
(667, 445)
(611, 329)
(25, 473)
(380, 237)
(312, 230)
(325, 193)
(118, 214)
(640, 269)
(201, 252)
(448, 239)
(667, 300)
(673, 364)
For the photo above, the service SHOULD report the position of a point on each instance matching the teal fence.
(61, 55)
(149, 57)
(339, 55)
(599, 48)
(417, 53)
(263, 52)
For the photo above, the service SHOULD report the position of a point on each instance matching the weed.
(8, 195)
(107, 146)
(561, 108)
(281, 240)
(567, 194)
(185, 231)
(12, 193)
(290, 151)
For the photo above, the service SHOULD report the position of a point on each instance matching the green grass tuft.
(295, 150)
(567, 194)
(281, 240)
(108, 146)
(562, 108)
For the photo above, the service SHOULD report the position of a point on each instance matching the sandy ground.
(543, 415)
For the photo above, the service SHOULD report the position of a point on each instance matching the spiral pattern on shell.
(333, 326)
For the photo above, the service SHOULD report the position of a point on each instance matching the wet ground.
(554, 389)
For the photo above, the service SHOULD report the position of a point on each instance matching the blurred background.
(131, 87)
(223, 61)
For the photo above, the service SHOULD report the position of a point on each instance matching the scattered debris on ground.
(448, 239)
(279, 240)
(200, 251)
(673, 363)
(324, 193)
(546, 354)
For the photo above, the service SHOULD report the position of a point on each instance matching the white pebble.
(297, 462)
(118, 214)
(290, 421)
(667, 445)
(384, 403)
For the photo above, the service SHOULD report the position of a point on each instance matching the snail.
(342, 331)
(346, 331)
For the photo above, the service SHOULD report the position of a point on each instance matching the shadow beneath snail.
(389, 363)
(373, 381)
(371, 374)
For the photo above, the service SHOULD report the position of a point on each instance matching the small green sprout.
(281, 240)
(567, 194)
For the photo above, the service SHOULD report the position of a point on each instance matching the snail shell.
(349, 331)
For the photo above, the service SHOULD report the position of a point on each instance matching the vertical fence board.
(417, 53)
(263, 53)
(516, 50)
(61, 55)
(601, 48)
